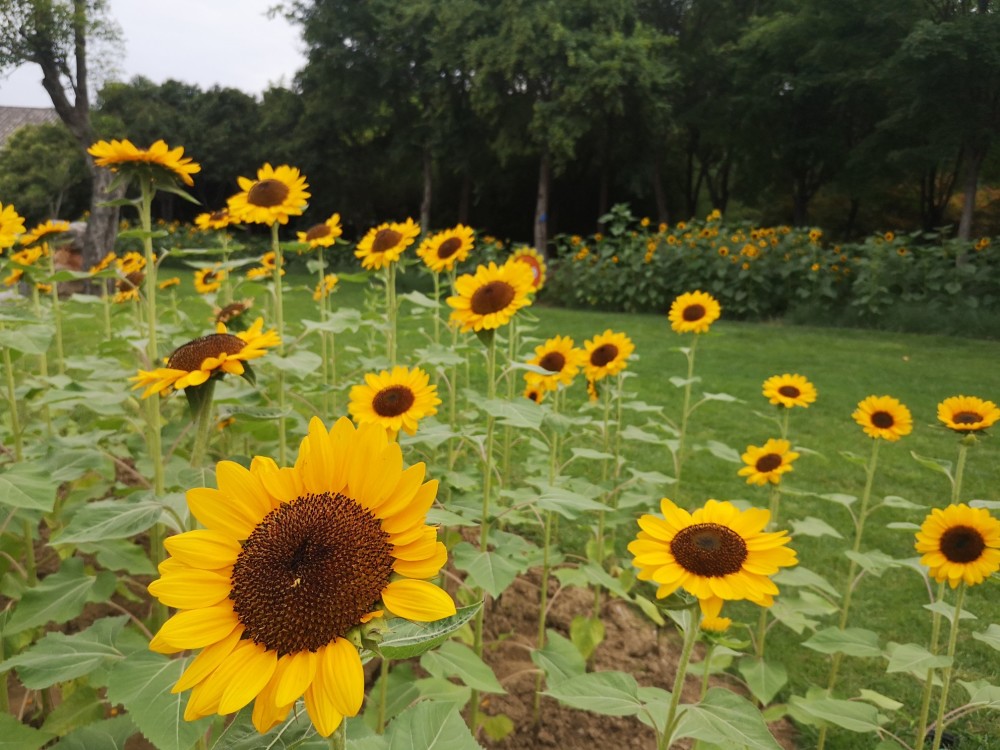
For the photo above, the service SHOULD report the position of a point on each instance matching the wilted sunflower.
(385, 243)
(214, 220)
(193, 363)
(533, 260)
(560, 358)
(275, 195)
(767, 463)
(717, 553)
(607, 354)
(694, 312)
(325, 287)
(960, 543)
(883, 417)
(158, 160)
(443, 250)
(789, 390)
(11, 226)
(395, 400)
(322, 235)
(489, 298)
(232, 311)
(208, 280)
(291, 563)
(967, 413)
(45, 229)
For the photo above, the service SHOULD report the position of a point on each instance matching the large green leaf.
(109, 519)
(78, 708)
(405, 639)
(295, 732)
(17, 736)
(28, 487)
(453, 659)
(851, 715)
(525, 416)
(851, 641)
(32, 339)
(491, 571)
(991, 636)
(764, 678)
(913, 658)
(559, 659)
(59, 597)
(608, 693)
(110, 734)
(430, 726)
(726, 720)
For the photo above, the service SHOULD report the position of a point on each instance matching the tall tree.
(42, 166)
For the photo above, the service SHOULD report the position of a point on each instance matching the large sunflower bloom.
(789, 390)
(193, 363)
(967, 413)
(396, 400)
(214, 220)
(208, 280)
(489, 298)
(960, 543)
(560, 359)
(45, 229)
(275, 195)
(116, 155)
(607, 354)
(716, 553)
(322, 235)
(385, 243)
(443, 250)
(768, 462)
(291, 562)
(533, 260)
(11, 226)
(883, 417)
(694, 312)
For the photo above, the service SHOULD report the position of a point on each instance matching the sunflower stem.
(509, 377)
(706, 669)
(690, 636)
(279, 314)
(956, 485)
(437, 310)
(15, 419)
(685, 413)
(57, 318)
(390, 311)
(43, 359)
(338, 740)
(227, 282)
(203, 418)
(30, 565)
(383, 695)
(946, 676)
(106, 304)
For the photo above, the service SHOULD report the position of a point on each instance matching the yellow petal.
(416, 512)
(283, 485)
(425, 568)
(324, 716)
(243, 487)
(204, 548)
(219, 512)
(198, 628)
(342, 438)
(419, 601)
(318, 457)
(257, 664)
(402, 494)
(266, 712)
(206, 662)
(298, 672)
(341, 678)
(191, 590)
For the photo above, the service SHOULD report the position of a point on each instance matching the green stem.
(685, 414)
(383, 695)
(43, 358)
(925, 699)
(507, 429)
(324, 306)
(390, 311)
(279, 314)
(204, 422)
(437, 310)
(15, 419)
(338, 740)
(30, 565)
(956, 486)
(707, 670)
(106, 304)
(227, 281)
(57, 319)
(690, 636)
(946, 677)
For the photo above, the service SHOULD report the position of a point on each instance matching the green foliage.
(42, 166)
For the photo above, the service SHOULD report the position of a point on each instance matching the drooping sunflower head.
(291, 563)
(883, 417)
(276, 194)
(959, 543)
(491, 296)
(11, 226)
(322, 235)
(533, 260)
(29, 256)
(694, 312)
(325, 287)
(215, 355)
(395, 400)
(213, 220)
(43, 230)
(441, 251)
(606, 354)
(385, 243)
(159, 161)
(169, 283)
(561, 361)
(233, 311)
(967, 413)
(766, 464)
(208, 280)
(789, 390)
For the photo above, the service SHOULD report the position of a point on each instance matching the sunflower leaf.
(17, 736)
(850, 641)
(24, 486)
(110, 734)
(608, 693)
(559, 658)
(109, 519)
(58, 657)
(430, 726)
(405, 639)
(453, 659)
(851, 715)
(812, 526)
(991, 636)
(726, 720)
(913, 658)
(764, 678)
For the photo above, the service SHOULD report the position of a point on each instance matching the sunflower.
(157, 161)
(213, 220)
(13, 278)
(45, 229)
(322, 235)
(960, 543)
(291, 563)
(269, 260)
(716, 553)
(967, 413)
(261, 272)
(606, 354)
(768, 463)
(443, 250)
(789, 390)
(131, 262)
(395, 400)
(715, 624)
(489, 298)
(560, 359)
(233, 311)
(130, 294)
(534, 392)
(275, 195)
(531, 258)
(694, 312)
(325, 287)
(196, 361)
(104, 263)
(11, 225)
(29, 256)
(207, 280)
(167, 283)
(883, 417)
(385, 243)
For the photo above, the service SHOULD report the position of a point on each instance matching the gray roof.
(13, 118)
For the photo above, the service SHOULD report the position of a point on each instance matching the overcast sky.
(205, 42)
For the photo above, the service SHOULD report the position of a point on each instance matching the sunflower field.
(303, 492)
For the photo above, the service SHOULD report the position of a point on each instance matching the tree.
(42, 166)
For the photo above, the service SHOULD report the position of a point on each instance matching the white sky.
(203, 42)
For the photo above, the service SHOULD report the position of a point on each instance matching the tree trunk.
(976, 158)
(542, 203)
(102, 226)
(425, 203)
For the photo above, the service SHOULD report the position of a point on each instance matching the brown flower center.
(190, 356)
(220, 215)
(553, 361)
(492, 297)
(309, 572)
(393, 401)
(967, 417)
(789, 391)
(230, 311)
(267, 193)
(449, 247)
(883, 420)
(768, 462)
(535, 396)
(962, 544)
(318, 232)
(603, 354)
(709, 550)
(693, 312)
(385, 240)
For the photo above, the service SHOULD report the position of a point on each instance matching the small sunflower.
(534, 392)
(258, 273)
(45, 229)
(213, 220)
(960, 543)
(443, 250)
(789, 390)
(276, 194)
(489, 298)
(131, 262)
(396, 400)
(607, 354)
(967, 413)
(694, 312)
(130, 294)
(560, 358)
(325, 287)
(11, 226)
(715, 624)
(233, 311)
(292, 562)
(269, 260)
(592, 394)
(158, 160)
(196, 361)
(768, 462)
(322, 235)
(883, 417)
(718, 553)
(385, 243)
(172, 281)
(533, 260)
(104, 263)
(208, 280)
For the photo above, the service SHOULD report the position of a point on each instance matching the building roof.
(14, 118)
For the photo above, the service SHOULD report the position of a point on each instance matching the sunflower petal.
(419, 601)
